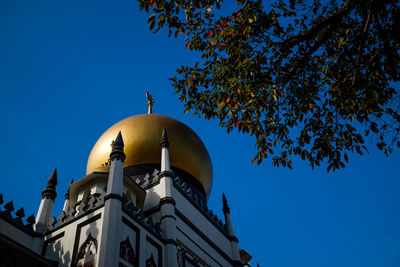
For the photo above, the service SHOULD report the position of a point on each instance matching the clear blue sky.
(71, 69)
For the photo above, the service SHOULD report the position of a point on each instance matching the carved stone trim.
(113, 196)
(164, 139)
(167, 200)
(166, 174)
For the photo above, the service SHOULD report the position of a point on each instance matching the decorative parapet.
(6, 214)
(199, 203)
(138, 216)
(149, 180)
(81, 207)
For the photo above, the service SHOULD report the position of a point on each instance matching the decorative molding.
(167, 216)
(167, 200)
(166, 174)
(113, 196)
(78, 235)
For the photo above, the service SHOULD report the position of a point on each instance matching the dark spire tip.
(118, 148)
(53, 178)
(225, 207)
(164, 139)
(50, 190)
(119, 141)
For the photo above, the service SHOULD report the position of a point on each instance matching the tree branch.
(360, 46)
(331, 20)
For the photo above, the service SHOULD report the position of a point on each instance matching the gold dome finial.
(150, 102)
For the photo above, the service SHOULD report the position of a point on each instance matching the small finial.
(118, 142)
(225, 207)
(118, 148)
(150, 102)
(164, 139)
(50, 190)
(67, 194)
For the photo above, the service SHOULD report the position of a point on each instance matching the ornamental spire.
(165, 163)
(50, 190)
(118, 148)
(164, 139)
(225, 207)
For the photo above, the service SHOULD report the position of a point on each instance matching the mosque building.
(143, 202)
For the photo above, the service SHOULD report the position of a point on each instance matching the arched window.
(87, 253)
(150, 262)
(126, 253)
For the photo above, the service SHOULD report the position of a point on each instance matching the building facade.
(143, 203)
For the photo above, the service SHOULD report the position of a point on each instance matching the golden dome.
(142, 137)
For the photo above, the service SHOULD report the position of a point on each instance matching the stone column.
(167, 205)
(112, 215)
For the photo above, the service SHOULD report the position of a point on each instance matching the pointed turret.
(50, 190)
(165, 163)
(46, 205)
(232, 238)
(109, 247)
(227, 211)
(225, 207)
(66, 203)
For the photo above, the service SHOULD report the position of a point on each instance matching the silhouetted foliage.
(308, 78)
